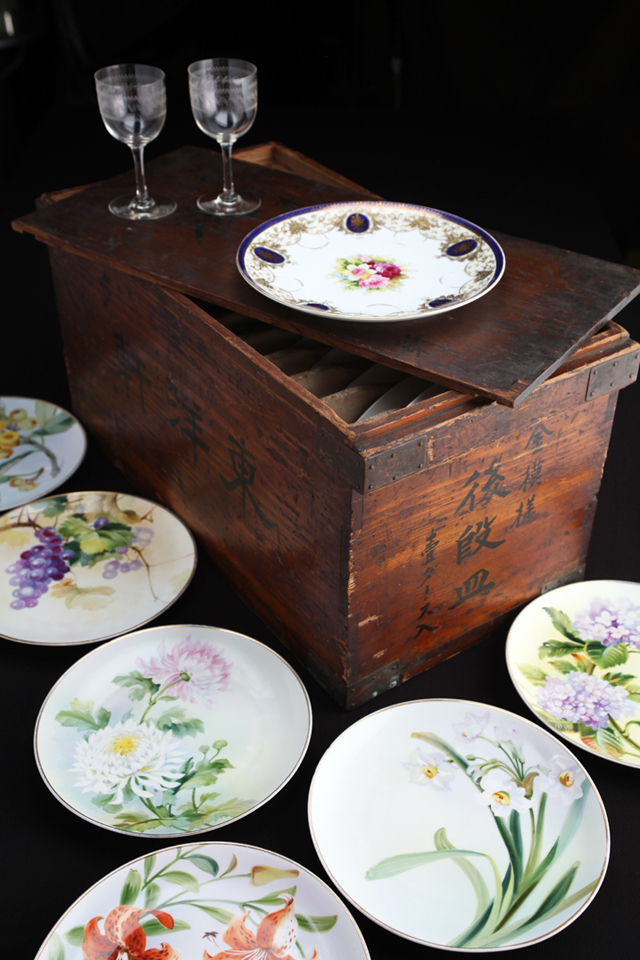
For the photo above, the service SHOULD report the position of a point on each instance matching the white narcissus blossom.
(564, 780)
(472, 726)
(502, 794)
(127, 755)
(431, 769)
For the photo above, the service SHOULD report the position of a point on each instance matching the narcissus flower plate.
(474, 830)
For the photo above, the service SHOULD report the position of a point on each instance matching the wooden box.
(372, 549)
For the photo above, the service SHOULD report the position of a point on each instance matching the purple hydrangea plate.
(574, 658)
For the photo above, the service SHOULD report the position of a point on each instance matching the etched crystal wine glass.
(133, 106)
(224, 100)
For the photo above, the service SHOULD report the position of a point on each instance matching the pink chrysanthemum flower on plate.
(195, 670)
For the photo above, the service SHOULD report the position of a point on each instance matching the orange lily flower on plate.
(273, 939)
(123, 936)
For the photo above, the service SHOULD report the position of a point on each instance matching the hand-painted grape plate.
(211, 900)
(459, 825)
(41, 446)
(371, 261)
(172, 731)
(574, 658)
(83, 567)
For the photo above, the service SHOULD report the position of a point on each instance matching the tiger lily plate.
(370, 261)
(172, 731)
(216, 901)
(458, 825)
(41, 446)
(83, 567)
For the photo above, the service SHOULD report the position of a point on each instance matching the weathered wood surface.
(365, 586)
(548, 303)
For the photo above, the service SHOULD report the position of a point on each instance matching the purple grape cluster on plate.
(37, 568)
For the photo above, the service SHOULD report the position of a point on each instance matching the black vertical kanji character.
(492, 487)
(471, 494)
(130, 367)
(532, 476)
(245, 473)
(473, 586)
(536, 438)
(525, 514)
(481, 537)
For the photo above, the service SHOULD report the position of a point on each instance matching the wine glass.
(133, 106)
(224, 100)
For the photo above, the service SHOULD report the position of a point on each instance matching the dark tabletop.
(51, 855)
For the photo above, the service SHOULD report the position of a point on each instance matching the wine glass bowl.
(133, 106)
(224, 101)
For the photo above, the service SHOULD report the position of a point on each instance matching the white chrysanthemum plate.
(41, 446)
(574, 658)
(370, 260)
(459, 825)
(83, 567)
(224, 892)
(172, 731)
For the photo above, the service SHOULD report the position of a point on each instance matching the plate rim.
(189, 833)
(59, 483)
(135, 626)
(221, 843)
(519, 691)
(447, 308)
(428, 943)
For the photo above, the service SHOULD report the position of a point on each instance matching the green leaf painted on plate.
(563, 624)
(182, 879)
(151, 895)
(75, 936)
(174, 720)
(558, 648)
(393, 866)
(224, 916)
(60, 423)
(131, 888)
(81, 716)
(532, 674)
(53, 507)
(313, 924)
(56, 948)
(564, 666)
(140, 686)
(207, 864)
(153, 928)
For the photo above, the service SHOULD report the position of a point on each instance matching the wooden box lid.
(549, 302)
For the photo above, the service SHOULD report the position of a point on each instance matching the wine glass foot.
(129, 208)
(215, 205)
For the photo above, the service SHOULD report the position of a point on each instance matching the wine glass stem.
(143, 201)
(228, 194)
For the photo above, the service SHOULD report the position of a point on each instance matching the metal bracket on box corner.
(401, 461)
(613, 375)
(366, 474)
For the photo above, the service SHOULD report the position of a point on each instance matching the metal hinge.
(613, 375)
(405, 459)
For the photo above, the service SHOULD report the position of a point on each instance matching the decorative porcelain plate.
(370, 260)
(83, 567)
(574, 657)
(172, 731)
(211, 900)
(458, 825)
(41, 445)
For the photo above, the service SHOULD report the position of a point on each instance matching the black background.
(522, 122)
